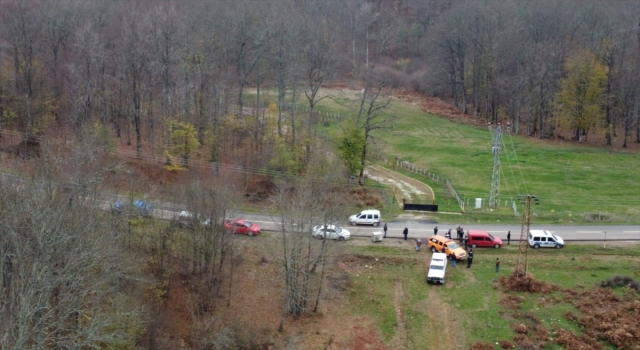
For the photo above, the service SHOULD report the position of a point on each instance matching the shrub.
(518, 283)
(617, 281)
(505, 344)
(481, 346)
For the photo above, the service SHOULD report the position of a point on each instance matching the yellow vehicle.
(437, 242)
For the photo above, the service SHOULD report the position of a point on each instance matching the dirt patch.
(404, 186)
(399, 340)
(250, 311)
(362, 197)
(444, 321)
(364, 337)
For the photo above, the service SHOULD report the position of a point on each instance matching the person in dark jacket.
(453, 259)
(405, 232)
(385, 229)
(509, 238)
(435, 230)
(470, 258)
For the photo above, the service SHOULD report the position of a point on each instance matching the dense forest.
(141, 68)
(238, 82)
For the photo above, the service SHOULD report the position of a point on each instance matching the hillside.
(225, 108)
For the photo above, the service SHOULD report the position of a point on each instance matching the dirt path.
(404, 187)
(399, 340)
(445, 322)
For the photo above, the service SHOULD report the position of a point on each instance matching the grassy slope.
(472, 292)
(569, 180)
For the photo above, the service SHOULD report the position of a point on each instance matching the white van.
(544, 239)
(366, 217)
(437, 268)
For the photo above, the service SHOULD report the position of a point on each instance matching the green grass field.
(469, 298)
(574, 184)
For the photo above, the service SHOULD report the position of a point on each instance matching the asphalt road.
(424, 229)
(419, 228)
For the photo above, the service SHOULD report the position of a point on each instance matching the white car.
(366, 217)
(331, 232)
(437, 268)
(544, 239)
(186, 219)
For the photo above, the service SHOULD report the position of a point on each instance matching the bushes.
(605, 316)
(518, 283)
(621, 281)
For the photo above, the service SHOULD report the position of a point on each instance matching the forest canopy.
(131, 65)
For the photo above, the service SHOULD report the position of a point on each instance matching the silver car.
(331, 232)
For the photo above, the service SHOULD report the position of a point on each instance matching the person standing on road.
(435, 230)
(497, 264)
(385, 230)
(508, 237)
(448, 234)
(470, 259)
(405, 232)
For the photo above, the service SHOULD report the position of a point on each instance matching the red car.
(483, 239)
(242, 227)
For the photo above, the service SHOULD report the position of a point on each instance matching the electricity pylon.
(496, 136)
(523, 247)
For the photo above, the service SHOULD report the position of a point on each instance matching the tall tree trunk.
(135, 76)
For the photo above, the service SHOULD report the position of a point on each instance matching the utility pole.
(496, 136)
(523, 247)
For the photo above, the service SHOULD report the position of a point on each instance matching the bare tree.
(165, 33)
(61, 275)
(296, 204)
(61, 19)
(133, 65)
(318, 67)
(22, 27)
(211, 248)
(453, 47)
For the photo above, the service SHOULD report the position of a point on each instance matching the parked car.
(483, 239)
(190, 220)
(437, 268)
(437, 242)
(366, 217)
(544, 239)
(331, 232)
(242, 227)
(136, 208)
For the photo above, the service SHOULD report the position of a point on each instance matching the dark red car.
(242, 227)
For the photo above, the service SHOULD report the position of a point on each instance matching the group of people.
(405, 233)
(459, 233)
(452, 256)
